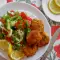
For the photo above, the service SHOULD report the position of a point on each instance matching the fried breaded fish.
(45, 40)
(33, 37)
(30, 50)
(37, 24)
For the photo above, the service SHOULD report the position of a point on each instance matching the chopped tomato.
(9, 39)
(11, 10)
(21, 42)
(11, 15)
(2, 20)
(17, 24)
(4, 31)
(29, 18)
(23, 25)
(23, 15)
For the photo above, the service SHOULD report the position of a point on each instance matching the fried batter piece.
(44, 41)
(37, 24)
(34, 37)
(30, 50)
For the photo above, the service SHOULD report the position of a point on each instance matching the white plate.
(36, 13)
(2, 2)
(48, 13)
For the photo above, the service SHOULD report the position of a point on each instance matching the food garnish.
(53, 7)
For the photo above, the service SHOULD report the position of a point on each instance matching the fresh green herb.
(6, 17)
(16, 34)
(26, 31)
(13, 18)
(25, 34)
(16, 40)
(7, 24)
(16, 13)
(19, 18)
(16, 46)
(26, 23)
(2, 36)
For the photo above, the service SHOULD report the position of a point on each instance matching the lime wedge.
(53, 7)
(57, 2)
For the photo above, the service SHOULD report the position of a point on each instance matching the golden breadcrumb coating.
(33, 37)
(45, 40)
(37, 25)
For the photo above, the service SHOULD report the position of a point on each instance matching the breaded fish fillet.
(37, 24)
(33, 37)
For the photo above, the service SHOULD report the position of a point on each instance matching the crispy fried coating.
(34, 37)
(30, 51)
(37, 24)
(44, 41)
